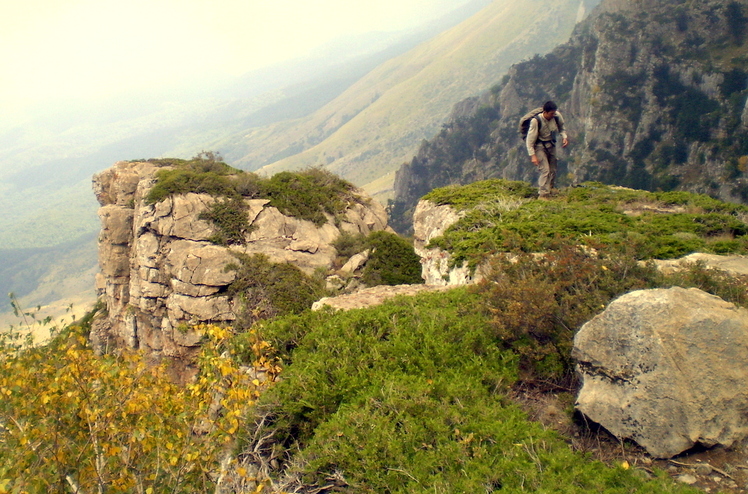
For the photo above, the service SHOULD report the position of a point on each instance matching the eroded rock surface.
(430, 221)
(667, 369)
(160, 273)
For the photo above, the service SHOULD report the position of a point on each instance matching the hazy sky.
(93, 48)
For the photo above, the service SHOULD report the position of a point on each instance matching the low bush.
(537, 303)
(392, 261)
(267, 289)
(312, 194)
(596, 215)
(410, 397)
(230, 219)
(348, 245)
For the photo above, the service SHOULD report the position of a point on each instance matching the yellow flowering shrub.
(74, 422)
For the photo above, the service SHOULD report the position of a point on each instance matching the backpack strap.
(558, 126)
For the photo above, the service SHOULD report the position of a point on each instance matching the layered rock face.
(431, 221)
(666, 368)
(160, 274)
(653, 95)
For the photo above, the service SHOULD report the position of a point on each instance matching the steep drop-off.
(654, 97)
(161, 274)
(378, 123)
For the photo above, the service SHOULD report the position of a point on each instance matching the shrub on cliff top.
(309, 194)
(604, 216)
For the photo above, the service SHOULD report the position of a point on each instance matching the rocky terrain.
(161, 273)
(654, 97)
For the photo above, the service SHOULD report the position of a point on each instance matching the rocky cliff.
(654, 96)
(160, 273)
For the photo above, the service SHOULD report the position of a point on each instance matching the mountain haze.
(377, 123)
(48, 154)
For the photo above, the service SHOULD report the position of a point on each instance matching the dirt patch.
(712, 470)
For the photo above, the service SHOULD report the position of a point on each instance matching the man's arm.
(562, 130)
(532, 136)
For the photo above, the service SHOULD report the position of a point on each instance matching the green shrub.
(309, 195)
(410, 397)
(266, 289)
(230, 219)
(593, 215)
(392, 261)
(471, 195)
(349, 244)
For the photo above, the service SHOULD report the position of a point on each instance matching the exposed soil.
(713, 470)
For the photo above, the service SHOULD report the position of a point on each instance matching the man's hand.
(534, 159)
(565, 143)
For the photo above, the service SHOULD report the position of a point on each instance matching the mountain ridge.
(653, 97)
(378, 123)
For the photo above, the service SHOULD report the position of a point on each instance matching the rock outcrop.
(160, 274)
(666, 368)
(430, 221)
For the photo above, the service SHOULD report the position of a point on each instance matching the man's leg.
(544, 180)
(552, 168)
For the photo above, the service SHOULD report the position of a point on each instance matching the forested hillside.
(653, 94)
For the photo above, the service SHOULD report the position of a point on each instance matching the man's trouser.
(547, 164)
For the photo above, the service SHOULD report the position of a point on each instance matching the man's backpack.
(524, 122)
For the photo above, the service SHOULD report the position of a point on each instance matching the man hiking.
(541, 146)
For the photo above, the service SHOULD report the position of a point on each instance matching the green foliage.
(471, 195)
(200, 175)
(595, 215)
(410, 397)
(392, 261)
(349, 244)
(310, 194)
(74, 422)
(266, 289)
(230, 218)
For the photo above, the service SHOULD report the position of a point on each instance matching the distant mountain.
(379, 122)
(654, 97)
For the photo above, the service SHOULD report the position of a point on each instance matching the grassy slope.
(406, 99)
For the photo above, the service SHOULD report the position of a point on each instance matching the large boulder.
(667, 368)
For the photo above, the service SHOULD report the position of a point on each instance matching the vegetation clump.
(651, 225)
(230, 219)
(392, 261)
(71, 421)
(267, 289)
(312, 194)
(411, 397)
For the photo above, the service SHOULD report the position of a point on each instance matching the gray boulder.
(667, 368)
